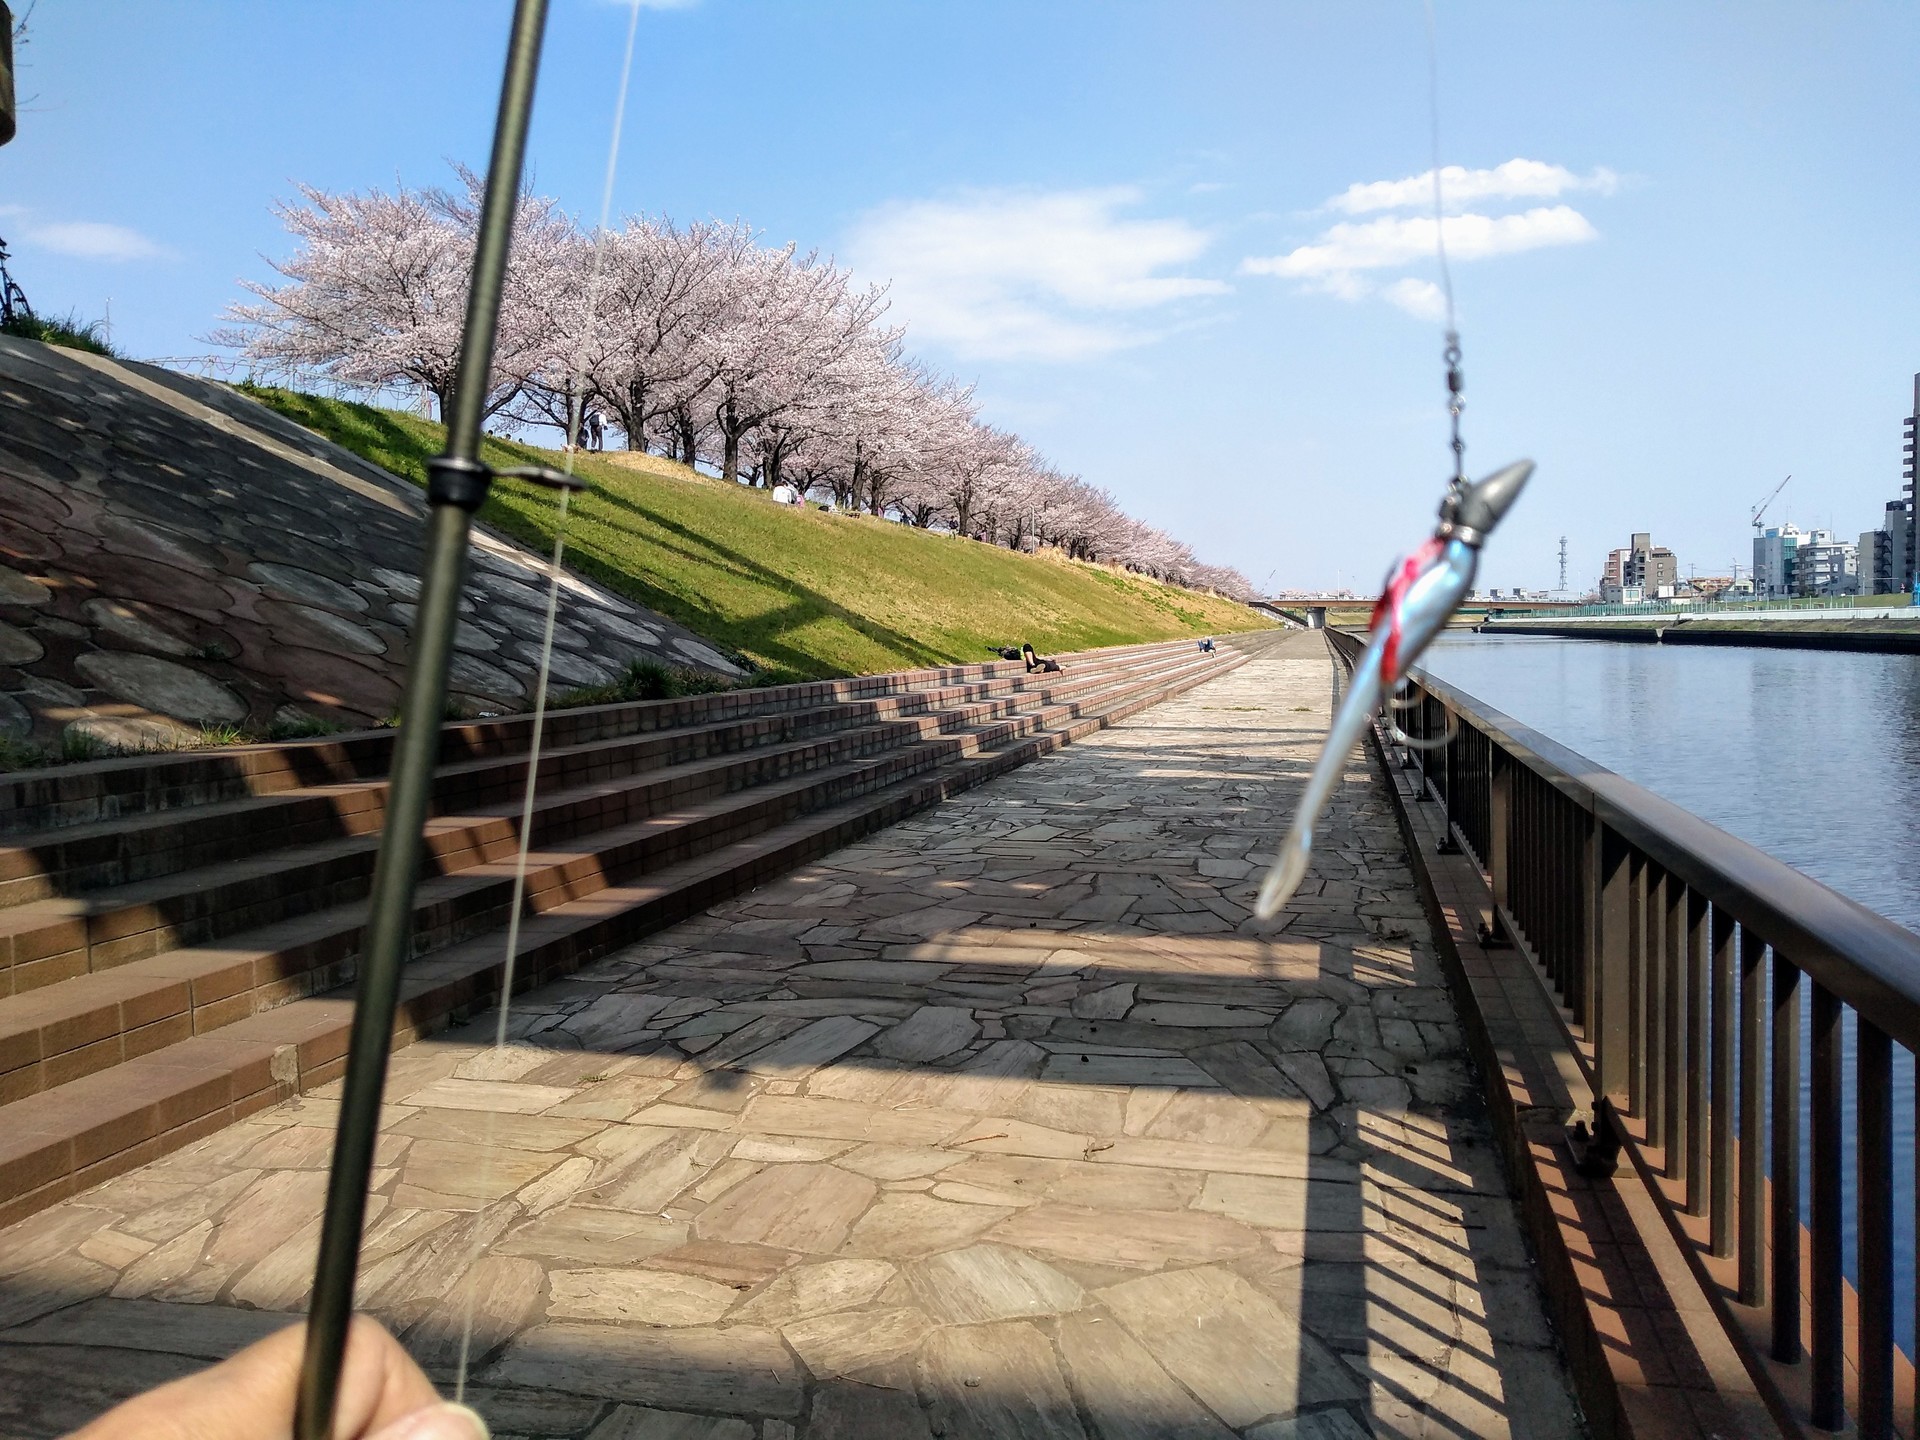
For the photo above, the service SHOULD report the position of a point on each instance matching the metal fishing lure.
(1423, 590)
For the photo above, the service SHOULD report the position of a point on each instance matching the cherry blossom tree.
(376, 291)
(763, 364)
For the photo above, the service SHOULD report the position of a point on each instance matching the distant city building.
(1775, 550)
(1712, 587)
(1825, 565)
(1649, 570)
(1910, 568)
(1884, 566)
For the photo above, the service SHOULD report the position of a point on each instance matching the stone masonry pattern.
(1008, 1122)
(173, 555)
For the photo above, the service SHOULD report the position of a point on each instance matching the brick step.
(128, 849)
(67, 1137)
(95, 1021)
(35, 802)
(55, 939)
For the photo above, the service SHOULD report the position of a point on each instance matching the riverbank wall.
(1879, 634)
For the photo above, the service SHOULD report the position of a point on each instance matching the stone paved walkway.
(1007, 1123)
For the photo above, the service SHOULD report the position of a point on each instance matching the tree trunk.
(633, 419)
(730, 445)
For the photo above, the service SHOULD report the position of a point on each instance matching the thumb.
(436, 1422)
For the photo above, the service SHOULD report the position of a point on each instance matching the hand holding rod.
(457, 487)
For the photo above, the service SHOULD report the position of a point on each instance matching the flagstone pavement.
(1008, 1122)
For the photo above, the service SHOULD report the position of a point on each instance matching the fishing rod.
(458, 482)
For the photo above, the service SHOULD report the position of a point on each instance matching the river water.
(1809, 755)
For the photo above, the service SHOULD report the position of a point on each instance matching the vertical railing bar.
(1873, 1097)
(1592, 948)
(1536, 861)
(1699, 1059)
(1656, 1116)
(1574, 895)
(1752, 1185)
(1611, 1024)
(1517, 852)
(1719, 1148)
(1573, 889)
(1824, 1223)
(1785, 1156)
(1636, 984)
(1674, 978)
(1554, 888)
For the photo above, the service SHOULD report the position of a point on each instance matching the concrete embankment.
(1880, 636)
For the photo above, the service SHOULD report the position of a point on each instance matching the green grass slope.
(799, 592)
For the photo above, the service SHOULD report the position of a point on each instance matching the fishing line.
(1433, 128)
(1452, 352)
(576, 401)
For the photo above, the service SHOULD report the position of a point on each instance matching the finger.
(379, 1383)
(436, 1422)
(251, 1395)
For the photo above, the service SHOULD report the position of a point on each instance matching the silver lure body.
(1416, 608)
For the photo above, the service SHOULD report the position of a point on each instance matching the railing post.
(1873, 1079)
(1611, 956)
(1824, 1221)
(1720, 1100)
(1752, 1187)
(1674, 1065)
(1450, 773)
(1637, 972)
(1499, 828)
(1698, 1061)
(1653, 988)
(1785, 1169)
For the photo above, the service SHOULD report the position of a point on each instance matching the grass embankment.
(70, 332)
(799, 592)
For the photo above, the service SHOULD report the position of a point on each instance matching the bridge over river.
(1008, 1120)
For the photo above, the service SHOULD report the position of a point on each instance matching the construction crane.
(1761, 508)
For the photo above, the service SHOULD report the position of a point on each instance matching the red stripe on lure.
(1387, 608)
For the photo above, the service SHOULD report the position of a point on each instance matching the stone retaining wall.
(173, 555)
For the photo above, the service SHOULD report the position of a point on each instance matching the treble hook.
(1423, 590)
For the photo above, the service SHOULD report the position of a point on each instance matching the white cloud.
(1394, 241)
(1516, 179)
(1346, 259)
(1029, 275)
(1419, 298)
(93, 240)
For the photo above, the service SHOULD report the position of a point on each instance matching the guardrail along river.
(1812, 756)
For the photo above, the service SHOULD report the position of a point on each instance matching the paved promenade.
(1007, 1123)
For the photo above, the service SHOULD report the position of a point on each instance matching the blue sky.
(1121, 219)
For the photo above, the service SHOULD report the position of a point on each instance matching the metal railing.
(1683, 958)
(1652, 609)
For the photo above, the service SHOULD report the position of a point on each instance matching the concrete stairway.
(178, 934)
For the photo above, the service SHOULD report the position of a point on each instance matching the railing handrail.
(1865, 959)
(1654, 609)
(1652, 928)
